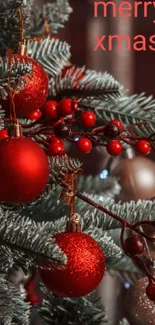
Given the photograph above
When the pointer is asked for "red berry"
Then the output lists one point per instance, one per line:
(35, 115)
(114, 147)
(111, 130)
(134, 245)
(88, 119)
(50, 109)
(84, 145)
(118, 123)
(65, 107)
(56, 149)
(3, 133)
(150, 291)
(53, 139)
(143, 147)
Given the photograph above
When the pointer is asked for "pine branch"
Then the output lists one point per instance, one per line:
(85, 84)
(34, 240)
(18, 68)
(9, 15)
(12, 305)
(6, 259)
(56, 14)
(82, 311)
(108, 187)
(132, 212)
(110, 249)
(129, 110)
(50, 53)
(60, 166)
(10, 26)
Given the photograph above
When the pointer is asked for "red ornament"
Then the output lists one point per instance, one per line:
(35, 115)
(88, 119)
(118, 123)
(134, 245)
(55, 149)
(84, 145)
(114, 147)
(3, 133)
(65, 107)
(35, 91)
(150, 291)
(24, 169)
(50, 109)
(143, 147)
(84, 270)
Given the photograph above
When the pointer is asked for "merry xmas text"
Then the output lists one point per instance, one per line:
(124, 9)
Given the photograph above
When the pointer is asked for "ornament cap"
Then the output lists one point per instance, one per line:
(73, 224)
(14, 128)
(23, 47)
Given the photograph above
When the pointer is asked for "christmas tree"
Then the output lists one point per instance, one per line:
(56, 222)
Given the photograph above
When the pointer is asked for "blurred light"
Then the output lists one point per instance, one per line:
(124, 259)
(104, 174)
(76, 139)
(127, 285)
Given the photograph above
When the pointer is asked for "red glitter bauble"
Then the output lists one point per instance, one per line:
(84, 270)
(24, 169)
(35, 91)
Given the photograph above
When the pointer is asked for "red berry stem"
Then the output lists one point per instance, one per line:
(112, 214)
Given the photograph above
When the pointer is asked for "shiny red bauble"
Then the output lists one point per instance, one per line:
(35, 115)
(150, 291)
(84, 270)
(35, 91)
(3, 133)
(84, 145)
(118, 123)
(50, 109)
(56, 148)
(65, 107)
(88, 119)
(114, 147)
(134, 245)
(24, 169)
(143, 147)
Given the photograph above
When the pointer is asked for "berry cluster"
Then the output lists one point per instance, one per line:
(61, 117)
(68, 113)
(114, 147)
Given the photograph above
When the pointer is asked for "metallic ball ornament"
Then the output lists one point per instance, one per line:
(136, 177)
(35, 91)
(84, 270)
(24, 169)
(138, 308)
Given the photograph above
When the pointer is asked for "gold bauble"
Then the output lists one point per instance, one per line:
(138, 308)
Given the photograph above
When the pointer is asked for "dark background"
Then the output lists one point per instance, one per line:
(135, 70)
